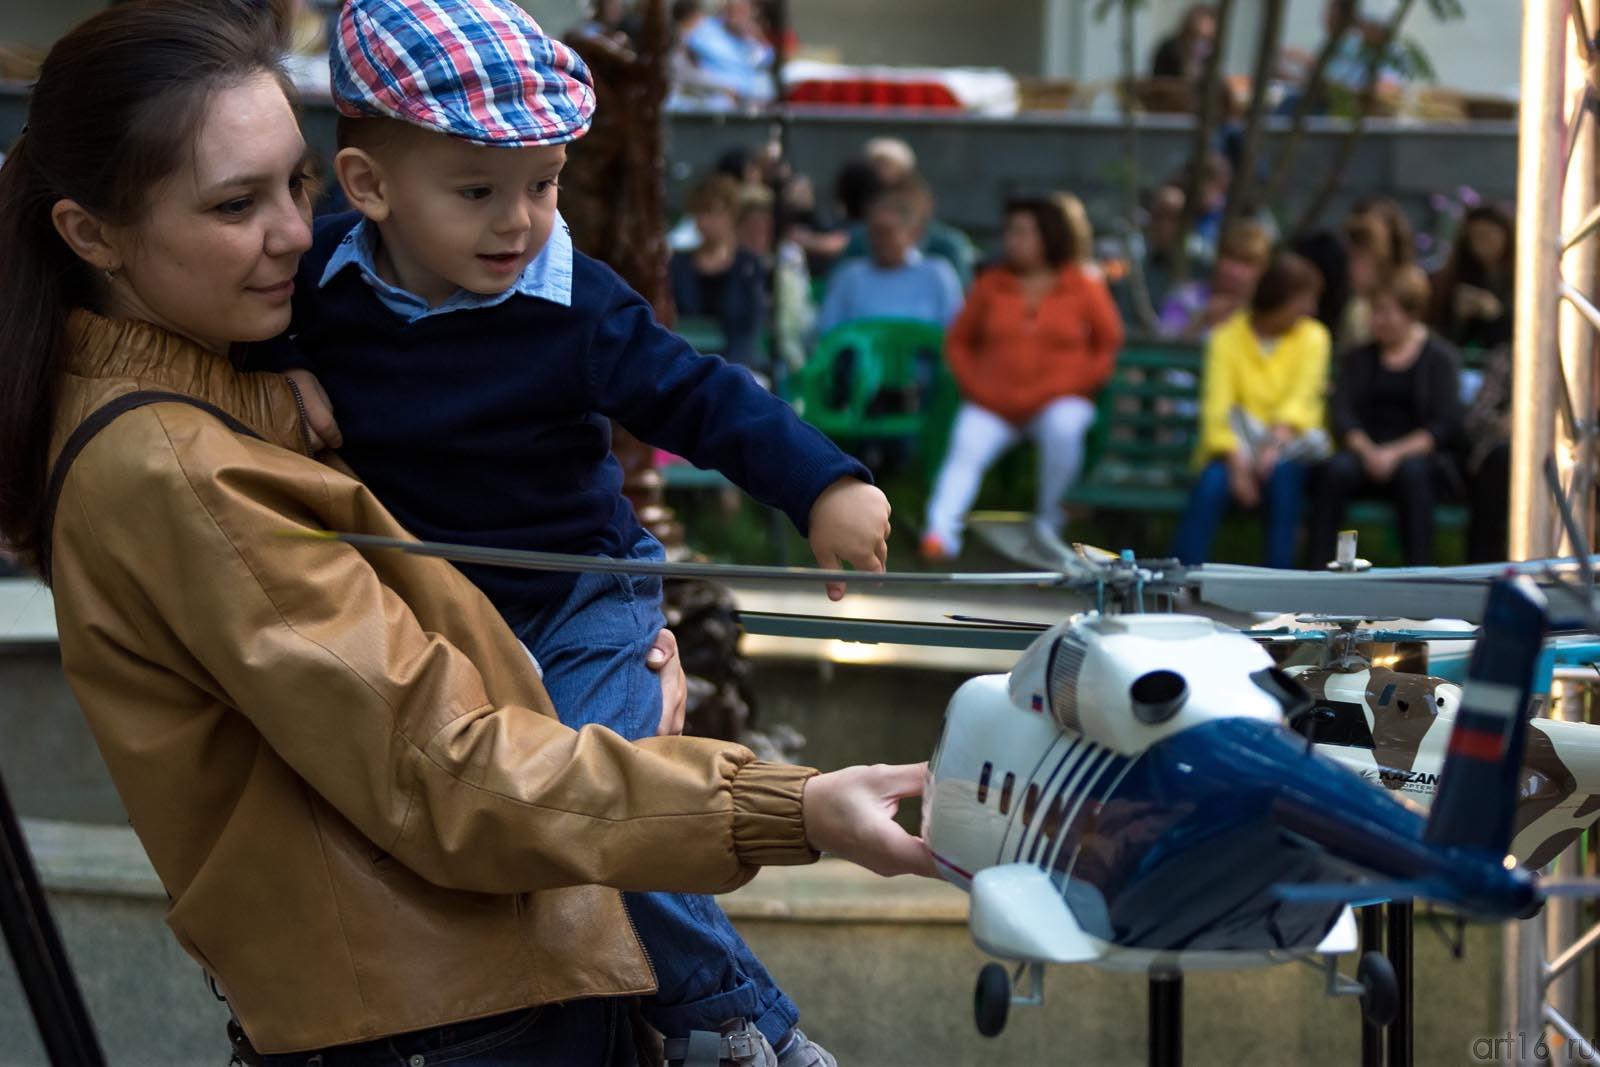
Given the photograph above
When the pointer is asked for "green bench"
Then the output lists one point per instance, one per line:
(1140, 451)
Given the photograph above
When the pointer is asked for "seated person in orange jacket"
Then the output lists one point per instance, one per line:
(1035, 341)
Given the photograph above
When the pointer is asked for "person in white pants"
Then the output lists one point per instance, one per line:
(979, 438)
(1036, 339)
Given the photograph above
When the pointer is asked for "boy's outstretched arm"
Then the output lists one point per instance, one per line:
(718, 416)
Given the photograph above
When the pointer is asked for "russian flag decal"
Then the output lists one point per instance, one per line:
(1038, 702)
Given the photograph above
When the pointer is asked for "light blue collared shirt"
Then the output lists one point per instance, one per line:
(547, 276)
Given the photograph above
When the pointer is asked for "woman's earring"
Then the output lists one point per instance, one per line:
(111, 274)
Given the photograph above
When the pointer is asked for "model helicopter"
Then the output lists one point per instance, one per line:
(1130, 795)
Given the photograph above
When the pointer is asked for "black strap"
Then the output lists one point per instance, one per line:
(98, 420)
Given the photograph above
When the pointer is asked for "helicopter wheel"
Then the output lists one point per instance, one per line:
(992, 1000)
(1380, 992)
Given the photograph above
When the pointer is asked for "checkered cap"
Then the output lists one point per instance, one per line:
(478, 70)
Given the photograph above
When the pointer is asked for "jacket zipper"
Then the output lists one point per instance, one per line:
(648, 962)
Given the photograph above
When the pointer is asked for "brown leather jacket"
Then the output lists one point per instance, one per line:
(344, 768)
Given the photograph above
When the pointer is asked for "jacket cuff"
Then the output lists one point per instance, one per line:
(768, 830)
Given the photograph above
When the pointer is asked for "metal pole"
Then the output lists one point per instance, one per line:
(42, 965)
(1551, 373)
(1166, 1020)
(1371, 941)
(1533, 517)
(1563, 919)
(1524, 989)
(1400, 955)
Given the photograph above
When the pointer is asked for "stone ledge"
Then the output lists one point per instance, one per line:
(833, 890)
(75, 857)
(87, 858)
(27, 614)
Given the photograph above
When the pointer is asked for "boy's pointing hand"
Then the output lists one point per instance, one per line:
(850, 524)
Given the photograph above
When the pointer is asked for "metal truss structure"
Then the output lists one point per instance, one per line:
(1554, 417)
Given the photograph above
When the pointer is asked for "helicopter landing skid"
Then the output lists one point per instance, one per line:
(1375, 983)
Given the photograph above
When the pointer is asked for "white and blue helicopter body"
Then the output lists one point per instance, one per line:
(1131, 796)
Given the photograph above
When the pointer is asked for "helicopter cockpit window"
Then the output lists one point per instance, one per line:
(1336, 722)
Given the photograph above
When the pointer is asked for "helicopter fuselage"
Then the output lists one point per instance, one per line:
(1170, 852)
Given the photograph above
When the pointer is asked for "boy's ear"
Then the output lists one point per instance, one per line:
(364, 182)
(86, 235)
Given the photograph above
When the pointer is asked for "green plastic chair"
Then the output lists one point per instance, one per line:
(884, 355)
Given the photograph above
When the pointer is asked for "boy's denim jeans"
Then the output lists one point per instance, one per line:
(592, 648)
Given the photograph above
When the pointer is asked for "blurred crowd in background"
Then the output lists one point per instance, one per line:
(1357, 359)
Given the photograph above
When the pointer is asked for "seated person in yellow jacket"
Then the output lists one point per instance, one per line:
(1261, 412)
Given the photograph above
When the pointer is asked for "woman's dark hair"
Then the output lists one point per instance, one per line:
(1327, 253)
(1060, 248)
(115, 108)
(1463, 266)
(1287, 276)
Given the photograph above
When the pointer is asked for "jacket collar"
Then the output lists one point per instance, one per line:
(101, 347)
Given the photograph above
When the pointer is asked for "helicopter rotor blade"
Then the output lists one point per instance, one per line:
(1018, 624)
(1398, 592)
(563, 562)
(889, 632)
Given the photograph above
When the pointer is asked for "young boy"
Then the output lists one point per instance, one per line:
(474, 360)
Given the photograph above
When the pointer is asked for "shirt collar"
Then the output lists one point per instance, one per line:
(548, 276)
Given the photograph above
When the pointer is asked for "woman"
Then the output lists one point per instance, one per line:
(1183, 54)
(1396, 412)
(783, 263)
(1487, 461)
(1035, 341)
(373, 829)
(1260, 412)
(1369, 258)
(1472, 294)
(1195, 308)
(721, 280)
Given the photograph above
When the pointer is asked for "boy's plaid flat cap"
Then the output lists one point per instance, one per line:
(478, 70)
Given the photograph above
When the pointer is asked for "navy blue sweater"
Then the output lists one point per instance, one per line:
(491, 426)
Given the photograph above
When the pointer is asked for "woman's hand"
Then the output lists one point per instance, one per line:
(663, 659)
(1242, 481)
(318, 410)
(1380, 462)
(850, 814)
(850, 524)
